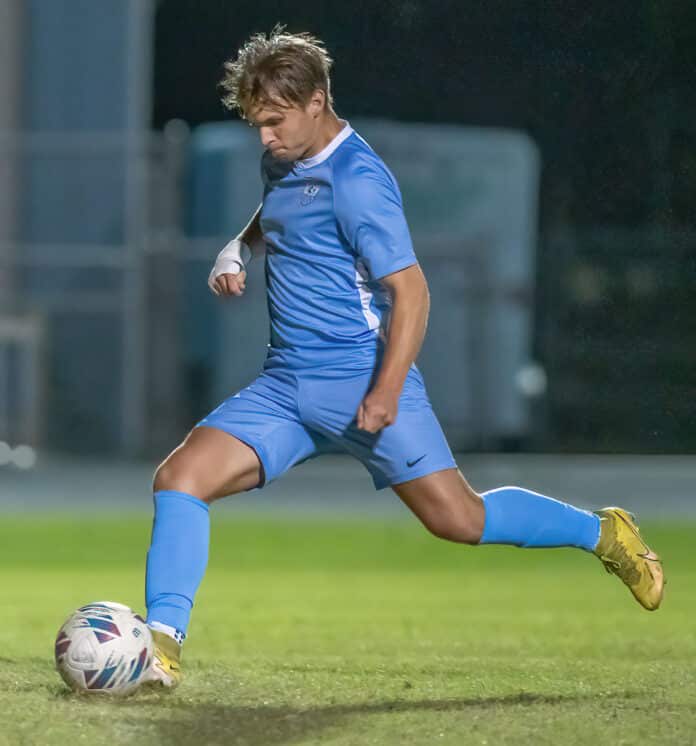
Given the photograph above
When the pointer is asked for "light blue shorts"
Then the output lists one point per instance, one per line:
(289, 416)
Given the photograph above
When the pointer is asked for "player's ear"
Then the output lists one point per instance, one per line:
(316, 103)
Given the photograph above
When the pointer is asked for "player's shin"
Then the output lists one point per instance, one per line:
(527, 519)
(176, 560)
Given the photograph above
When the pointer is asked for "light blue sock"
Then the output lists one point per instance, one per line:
(528, 519)
(177, 557)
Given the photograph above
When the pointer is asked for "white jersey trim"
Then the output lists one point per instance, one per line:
(361, 274)
(320, 157)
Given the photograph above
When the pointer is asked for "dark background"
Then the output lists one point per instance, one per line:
(607, 93)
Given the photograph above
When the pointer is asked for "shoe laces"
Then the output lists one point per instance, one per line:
(621, 564)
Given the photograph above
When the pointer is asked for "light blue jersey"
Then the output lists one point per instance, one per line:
(334, 225)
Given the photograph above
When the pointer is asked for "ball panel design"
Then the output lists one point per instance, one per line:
(103, 647)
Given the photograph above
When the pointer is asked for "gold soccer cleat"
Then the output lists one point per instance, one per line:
(166, 661)
(623, 552)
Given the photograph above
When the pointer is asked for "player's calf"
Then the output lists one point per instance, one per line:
(209, 464)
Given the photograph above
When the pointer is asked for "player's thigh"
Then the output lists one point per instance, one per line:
(209, 464)
(261, 421)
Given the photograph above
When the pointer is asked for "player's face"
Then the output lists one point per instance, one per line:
(286, 132)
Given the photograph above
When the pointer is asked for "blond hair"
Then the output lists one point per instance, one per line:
(279, 70)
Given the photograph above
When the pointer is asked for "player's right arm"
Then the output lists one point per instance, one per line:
(228, 276)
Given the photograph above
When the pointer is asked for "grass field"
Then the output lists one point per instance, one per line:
(357, 633)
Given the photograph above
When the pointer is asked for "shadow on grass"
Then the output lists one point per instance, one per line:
(173, 720)
(267, 725)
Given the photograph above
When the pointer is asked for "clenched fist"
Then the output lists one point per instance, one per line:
(229, 284)
(228, 275)
(377, 410)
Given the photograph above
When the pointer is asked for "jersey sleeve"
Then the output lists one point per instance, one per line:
(371, 216)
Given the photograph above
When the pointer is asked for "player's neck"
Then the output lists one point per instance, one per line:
(328, 130)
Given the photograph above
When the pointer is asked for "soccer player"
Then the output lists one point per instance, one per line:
(348, 307)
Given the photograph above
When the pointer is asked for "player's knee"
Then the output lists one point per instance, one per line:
(184, 473)
(171, 475)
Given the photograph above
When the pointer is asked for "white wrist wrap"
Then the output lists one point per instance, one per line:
(232, 259)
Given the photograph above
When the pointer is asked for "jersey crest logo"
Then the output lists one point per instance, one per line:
(310, 192)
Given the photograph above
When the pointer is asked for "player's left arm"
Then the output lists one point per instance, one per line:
(408, 321)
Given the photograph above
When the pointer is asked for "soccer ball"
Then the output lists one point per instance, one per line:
(104, 647)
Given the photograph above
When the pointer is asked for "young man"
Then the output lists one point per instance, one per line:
(348, 310)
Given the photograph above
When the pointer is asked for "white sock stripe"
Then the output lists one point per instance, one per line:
(174, 633)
